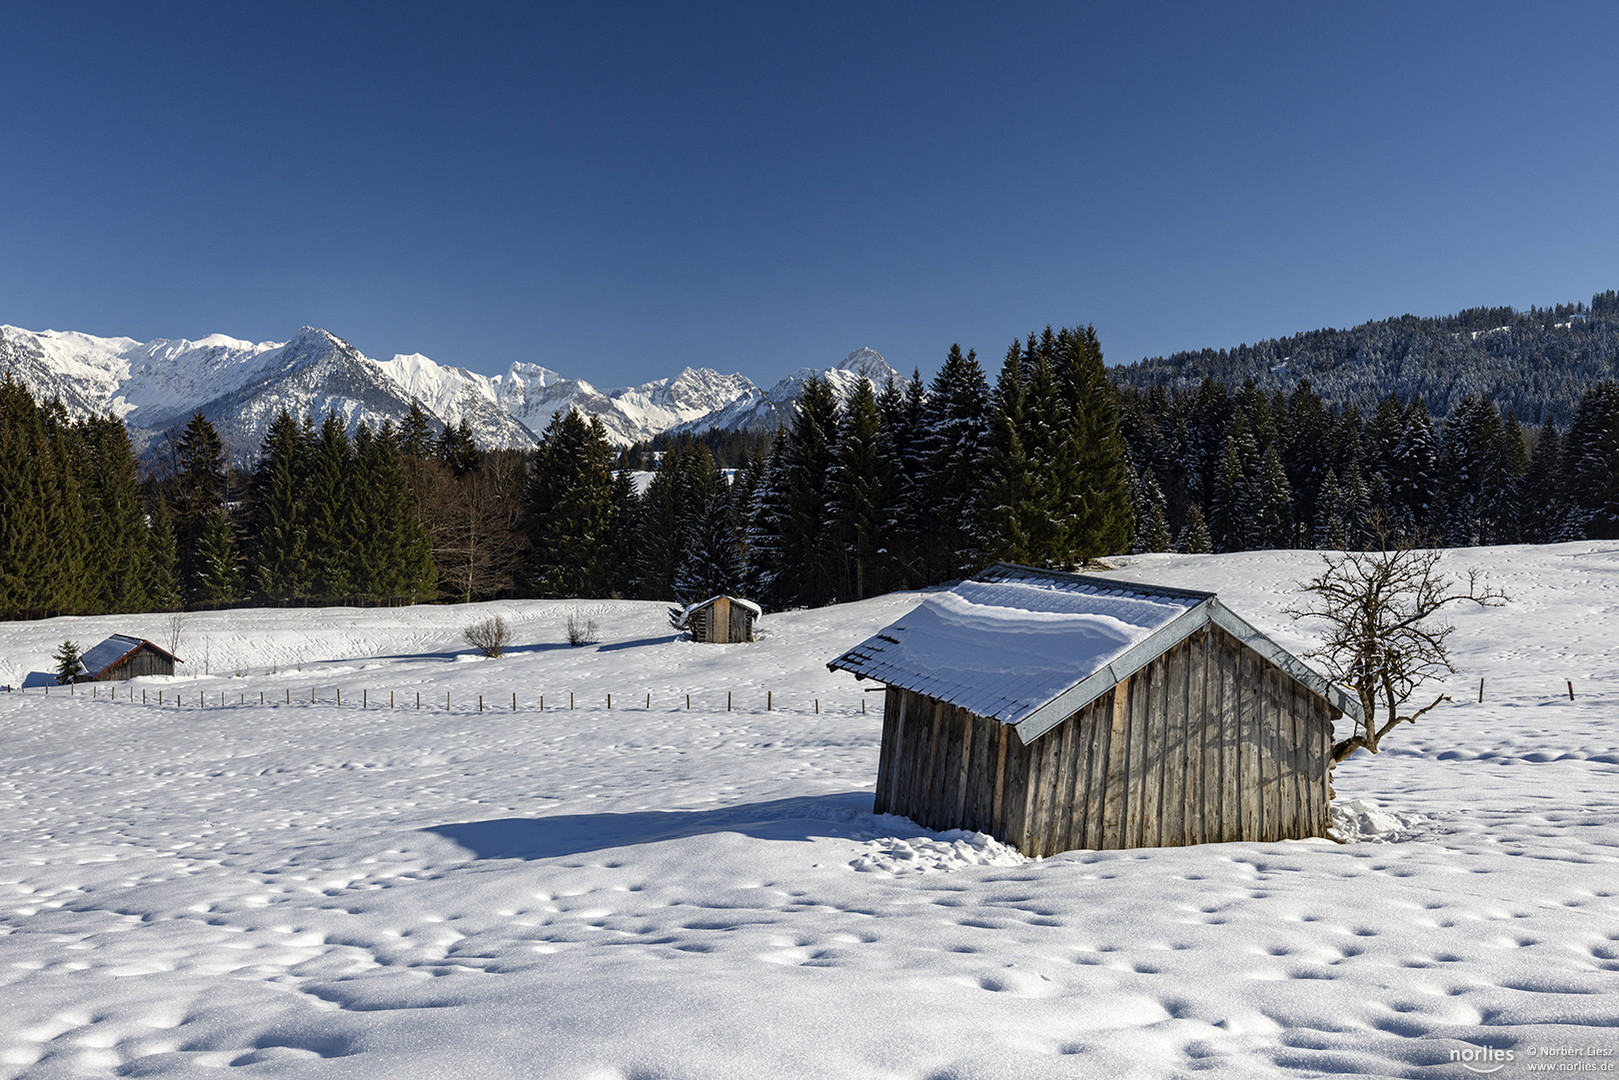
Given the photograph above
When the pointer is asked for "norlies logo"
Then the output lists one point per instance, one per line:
(1482, 1059)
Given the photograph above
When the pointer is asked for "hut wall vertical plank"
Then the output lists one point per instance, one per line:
(887, 749)
(1070, 760)
(1149, 686)
(965, 723)
(1209, 722)
(1251, 789)
(1097, 731)
(1287, 771)
(912, 748)
(980, 777)
(1196, 703)
(1119, 780)
(1004, 737)
(1018, 754)
(1300, 758)
(1135, 806)
(927, 750)
(1230, 742)
(1172, 820)
(1270, 752)
(1051, 770)
(1076, 829)
(943, 794)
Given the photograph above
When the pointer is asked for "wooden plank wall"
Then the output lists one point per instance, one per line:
(1208, 743)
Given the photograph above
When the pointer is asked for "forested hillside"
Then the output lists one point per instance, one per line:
(1535, 364)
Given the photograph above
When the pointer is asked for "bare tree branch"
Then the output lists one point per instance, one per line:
(1382, 638)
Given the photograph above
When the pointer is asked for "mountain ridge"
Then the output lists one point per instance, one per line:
(155, 386)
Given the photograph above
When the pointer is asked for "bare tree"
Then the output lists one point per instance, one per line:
(489, 637)
(1382, 638)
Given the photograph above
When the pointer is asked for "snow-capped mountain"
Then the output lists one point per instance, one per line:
(154, 387)
(765, 410)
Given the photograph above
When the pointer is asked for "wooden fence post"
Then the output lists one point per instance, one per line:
(340, 695)
(480, 703)
(1571, 689)
(688, 701)
(770, 700)
(1481, 691)
(727, 701)
(609, 702)
(514, 701)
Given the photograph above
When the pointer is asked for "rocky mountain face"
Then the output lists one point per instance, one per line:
(155, 386)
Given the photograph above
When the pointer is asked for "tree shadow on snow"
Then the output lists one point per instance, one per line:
(798, 818)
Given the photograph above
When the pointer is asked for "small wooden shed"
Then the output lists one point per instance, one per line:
(124, 657)
(1058, 711)
(720, 620)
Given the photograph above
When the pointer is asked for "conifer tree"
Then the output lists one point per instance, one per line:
(67, 660)
(218, 579)
(330, 529)
(955, 448)
(1011, 491)
(1194, 538)
(279, 521)
(1541, 510)
(25, 540)
(864, 474)
(199, 491)
(160, 570)
(713, 560)
(766, 581)
(805, 573)
(115, 522)
(569, 504)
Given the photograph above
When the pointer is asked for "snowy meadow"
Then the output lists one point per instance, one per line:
(307, 888)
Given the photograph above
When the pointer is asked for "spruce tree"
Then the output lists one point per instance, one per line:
(218, 578)
(766, 580)
(329, 533)
(569, 509)
(280, 534)
(199, 491)
(864, 476)
(956, 420)
(1194, 538)
(808, 555)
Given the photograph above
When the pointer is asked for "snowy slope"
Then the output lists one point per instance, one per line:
(314, 889)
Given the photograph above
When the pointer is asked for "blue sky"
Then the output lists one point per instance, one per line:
(616, 191)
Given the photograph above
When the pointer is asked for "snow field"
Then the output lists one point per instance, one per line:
(321, 890)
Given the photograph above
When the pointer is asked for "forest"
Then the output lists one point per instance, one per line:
(1536, 364)
(1050, 463)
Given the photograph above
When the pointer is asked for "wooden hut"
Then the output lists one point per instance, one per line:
(124, 657)
(1058, 711)
(720, 620)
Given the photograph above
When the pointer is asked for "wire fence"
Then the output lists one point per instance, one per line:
(750, 701)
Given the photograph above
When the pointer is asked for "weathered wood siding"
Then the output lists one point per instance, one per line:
(1208, 743)
(722, 623)
(141, 662)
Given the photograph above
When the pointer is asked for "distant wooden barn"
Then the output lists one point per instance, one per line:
(1060, 711)
(123, 657)
(720, 620)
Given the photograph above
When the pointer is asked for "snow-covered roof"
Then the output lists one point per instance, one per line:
(114, 650)
(1031, 647)
(686, 612)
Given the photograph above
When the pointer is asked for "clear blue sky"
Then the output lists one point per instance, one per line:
(619, 190)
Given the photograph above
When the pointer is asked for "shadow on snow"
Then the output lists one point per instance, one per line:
(798, 818)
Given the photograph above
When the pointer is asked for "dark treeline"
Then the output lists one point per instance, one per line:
(1216, 470)
(1536, 364)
